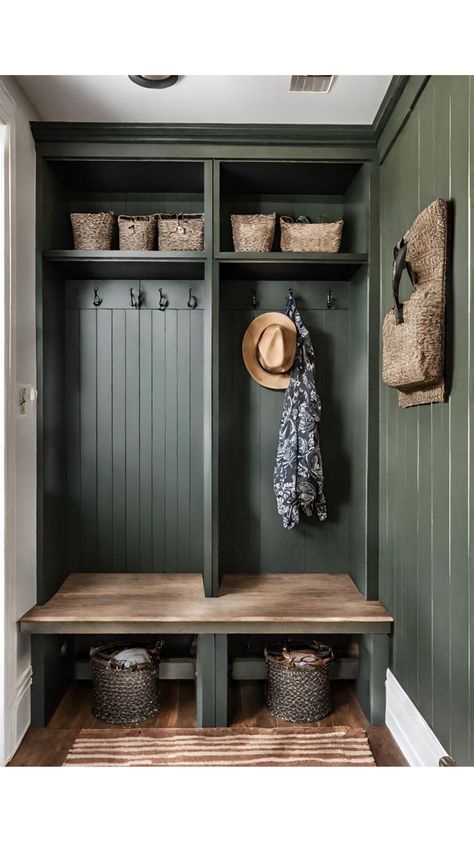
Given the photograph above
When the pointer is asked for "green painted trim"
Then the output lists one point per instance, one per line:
(388, 104)
(400, 114)
(212, 133)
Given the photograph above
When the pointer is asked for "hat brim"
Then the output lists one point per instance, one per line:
(249, 350)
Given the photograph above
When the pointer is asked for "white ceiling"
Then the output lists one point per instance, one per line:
(204, 99)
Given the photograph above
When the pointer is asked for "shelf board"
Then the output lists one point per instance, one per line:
(115, 603)
(340, 258)
(123, 265)
(277, 265)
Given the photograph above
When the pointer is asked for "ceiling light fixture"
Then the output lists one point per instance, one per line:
(154, 81)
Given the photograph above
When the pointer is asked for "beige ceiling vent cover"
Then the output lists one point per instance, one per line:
(311, 84)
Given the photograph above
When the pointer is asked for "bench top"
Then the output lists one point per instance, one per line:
(149, 603)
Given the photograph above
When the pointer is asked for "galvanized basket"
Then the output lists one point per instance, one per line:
(93, 231)
(298, 688)
(137, 233)
(181, 232)
(253, 231)
(124, 695)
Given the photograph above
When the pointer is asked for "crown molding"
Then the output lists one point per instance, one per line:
(208, 133)
(401, 88)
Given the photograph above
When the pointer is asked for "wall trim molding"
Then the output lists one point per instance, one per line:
(411, 732)
(400, 113)
(8, 667)
(19, 728)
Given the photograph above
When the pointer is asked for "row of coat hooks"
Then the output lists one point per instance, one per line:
(136, 299)
(330, 300)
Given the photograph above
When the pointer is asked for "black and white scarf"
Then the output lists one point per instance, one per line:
(298, 474)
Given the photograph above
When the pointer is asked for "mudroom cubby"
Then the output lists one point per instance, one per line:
(322, 191)
(156, 511)
(252, 537)
(130, 187)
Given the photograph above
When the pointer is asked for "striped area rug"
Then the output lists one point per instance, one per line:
(323, 746)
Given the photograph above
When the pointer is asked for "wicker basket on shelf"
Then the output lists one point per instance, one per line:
(137, 233)
(181, 232)
(253, 231)
(124, 695)
(310, 236)
(298, 687)
(93, 231)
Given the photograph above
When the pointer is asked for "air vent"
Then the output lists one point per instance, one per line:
(311, 84)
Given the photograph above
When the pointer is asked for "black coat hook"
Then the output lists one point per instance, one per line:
(163, 302)
(192, 300)
(254, 298)
(330, 301)
(135, 300)
(97, 301)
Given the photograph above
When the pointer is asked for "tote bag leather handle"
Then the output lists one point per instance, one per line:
(399, 265)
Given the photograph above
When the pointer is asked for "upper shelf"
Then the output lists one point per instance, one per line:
(339, 258)
(121, 265)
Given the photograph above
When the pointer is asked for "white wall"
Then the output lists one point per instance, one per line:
(22, 546)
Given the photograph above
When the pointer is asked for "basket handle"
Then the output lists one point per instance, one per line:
(400, 263)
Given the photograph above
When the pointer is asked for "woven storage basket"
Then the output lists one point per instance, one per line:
(298, 688)
(137, 233)
(93, 231)
(310, 236)
(124, 695)
(181, 232)
(253, 231)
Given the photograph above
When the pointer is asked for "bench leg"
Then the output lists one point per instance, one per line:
(212, 681)
(222, 681)
(370, 686)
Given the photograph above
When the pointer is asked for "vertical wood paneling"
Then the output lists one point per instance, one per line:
(183, 410)
(196, 444)
(426, 453)
(441, 459)
(459, 653)
(426, 186)
(145, 377)
(119, 471)
(470, 359)
(135, 411)
(88, 427)
(132, 439)
(104, 441)
(73, 439)
(252, 536)
(171, 438)
(159, 441)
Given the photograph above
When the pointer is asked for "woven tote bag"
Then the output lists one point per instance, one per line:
(413, 331)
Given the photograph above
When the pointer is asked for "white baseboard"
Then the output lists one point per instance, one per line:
(21, 713)
(410, 731)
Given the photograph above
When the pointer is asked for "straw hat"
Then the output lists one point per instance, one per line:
(269, 348)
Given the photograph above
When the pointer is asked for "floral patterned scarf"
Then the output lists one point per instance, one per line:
(298, 474)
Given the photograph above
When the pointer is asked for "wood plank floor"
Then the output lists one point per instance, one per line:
(49, 746)
(91, 603)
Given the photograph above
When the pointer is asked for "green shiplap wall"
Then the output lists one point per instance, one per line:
(134, 422)
(252, 536)
(426, 509)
